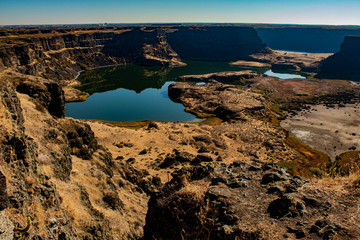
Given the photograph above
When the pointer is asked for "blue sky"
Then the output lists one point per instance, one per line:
(330, 12)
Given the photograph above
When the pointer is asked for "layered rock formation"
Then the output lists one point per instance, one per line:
(344, 64)
(310, 39)
(215, 43)
(30, 188)
(61, 53)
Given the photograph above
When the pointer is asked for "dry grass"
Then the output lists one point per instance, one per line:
(40, 108)
(311, 163)
(356, 181)
(71, 201)
(86, 175)
(250, 64)
(212, 121)
(349, 162)
(346, 189)
(199, 114)
(131, 124)
(74, 95)
(195, 190)
(342, 184)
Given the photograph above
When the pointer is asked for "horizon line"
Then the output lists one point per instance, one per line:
(175, 23)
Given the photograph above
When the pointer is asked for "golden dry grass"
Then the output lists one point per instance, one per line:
(349, 161)
(131, 124)
(87, 176)
(311, 163)
(212, 121)
(74, 95)
(199, 114)
(195, 190)
(250, 64)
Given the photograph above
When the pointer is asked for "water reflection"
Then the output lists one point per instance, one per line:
(131, 77)
(139, 78)
(132, 92)
(127, 105)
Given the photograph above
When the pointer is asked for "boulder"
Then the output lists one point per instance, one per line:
(281, 207)
(272, 177)
(201, 158)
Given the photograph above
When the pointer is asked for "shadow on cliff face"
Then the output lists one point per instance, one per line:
(215, 43)
(311, 39)
(344, 64)
(60, 56)
(130, 77)
(148, 47)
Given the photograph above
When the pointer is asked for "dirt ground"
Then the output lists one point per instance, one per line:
(330, 130)
(297, 59)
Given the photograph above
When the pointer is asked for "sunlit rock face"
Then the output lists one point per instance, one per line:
(61, 53)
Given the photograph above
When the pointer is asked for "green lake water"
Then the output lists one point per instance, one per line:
(132, 92)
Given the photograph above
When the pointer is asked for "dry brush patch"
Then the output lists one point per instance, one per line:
(311, 161)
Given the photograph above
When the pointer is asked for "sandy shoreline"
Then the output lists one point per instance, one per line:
(330, 130)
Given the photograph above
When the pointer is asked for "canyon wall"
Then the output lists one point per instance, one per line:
(56, 180)
(61, 53)
(60, 56)
(215, 43)
(313, 39)
(344, 64)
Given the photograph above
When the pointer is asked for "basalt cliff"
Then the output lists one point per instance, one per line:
(344, 64)
(61, 53)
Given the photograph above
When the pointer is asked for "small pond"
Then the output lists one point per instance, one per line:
(283, 75)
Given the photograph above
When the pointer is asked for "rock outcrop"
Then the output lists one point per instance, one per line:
(344, 64)
(49, 94)
(4, 200)
(61, 53)
(227, 102)
(242, 77)
(30, 190)
(290, 61)
(58, 55)
(215, 43)
(60, 182)
(309, 39)
(220, 201)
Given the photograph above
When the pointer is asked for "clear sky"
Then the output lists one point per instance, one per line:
(330, 12)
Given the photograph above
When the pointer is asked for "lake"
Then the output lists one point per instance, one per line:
(132, 92)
